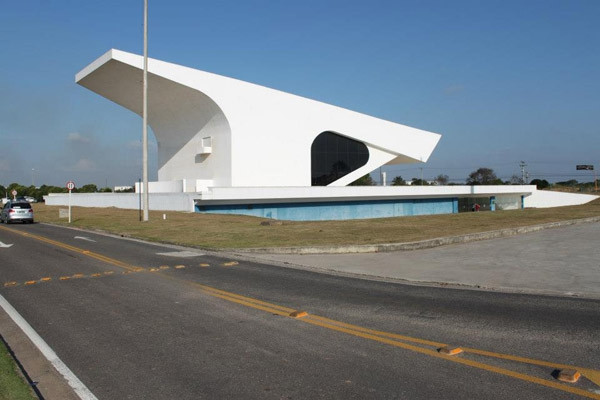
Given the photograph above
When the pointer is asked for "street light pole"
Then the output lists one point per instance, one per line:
(145, 115)
(524, 175)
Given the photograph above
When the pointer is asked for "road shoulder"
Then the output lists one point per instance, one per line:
(49, 383)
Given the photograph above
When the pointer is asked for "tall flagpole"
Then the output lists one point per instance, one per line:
(145, 116)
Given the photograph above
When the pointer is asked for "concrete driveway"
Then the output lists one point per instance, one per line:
(562, 261)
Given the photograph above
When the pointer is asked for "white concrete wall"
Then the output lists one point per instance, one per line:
(508, 196)
(547, 198)
(315, 193)
(131, 201)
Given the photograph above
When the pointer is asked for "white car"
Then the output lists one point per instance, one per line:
(16, 210)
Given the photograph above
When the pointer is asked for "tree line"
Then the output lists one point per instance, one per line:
(38, 193)
(481, 176)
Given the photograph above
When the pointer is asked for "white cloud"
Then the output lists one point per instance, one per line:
(84, 165)
(77, 137)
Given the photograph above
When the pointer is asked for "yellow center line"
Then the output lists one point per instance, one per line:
(471, 363)
(365, 333)
(248, 304)
(378, 333)
(74, 249)
(388, 338)
(248, 300)
(591, 374)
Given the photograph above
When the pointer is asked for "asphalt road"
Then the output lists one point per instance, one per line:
(135, 324)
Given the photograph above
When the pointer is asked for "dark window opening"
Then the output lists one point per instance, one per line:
(334, 156)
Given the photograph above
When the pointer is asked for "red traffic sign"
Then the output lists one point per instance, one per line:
(14, 192)
(70, 185)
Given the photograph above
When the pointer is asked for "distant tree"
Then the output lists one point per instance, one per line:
(105, 190)
(398, 181)
(570, 182)
(516, 180)
(21, 190)
(2, 191)
(483, 176)
(89, 188)
(418, 182)
(363, 181)
(442, 179)
(540, 183)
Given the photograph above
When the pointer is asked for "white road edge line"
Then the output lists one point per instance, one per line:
(80, 389)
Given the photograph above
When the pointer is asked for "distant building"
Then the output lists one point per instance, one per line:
(123, 189)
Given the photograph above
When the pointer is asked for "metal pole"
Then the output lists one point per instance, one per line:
(140, 198)
(523, 174)
(69, 205)
(145, 115)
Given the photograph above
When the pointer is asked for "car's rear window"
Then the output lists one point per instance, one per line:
(21, 205)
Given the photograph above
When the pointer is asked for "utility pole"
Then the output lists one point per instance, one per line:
(145, 115)
(524, 175)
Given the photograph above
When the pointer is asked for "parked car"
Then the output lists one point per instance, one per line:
(16, 210)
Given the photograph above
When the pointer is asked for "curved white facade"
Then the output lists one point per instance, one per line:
(216, 131)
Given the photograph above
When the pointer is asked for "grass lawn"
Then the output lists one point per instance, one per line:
(213, 231)
(12, 384)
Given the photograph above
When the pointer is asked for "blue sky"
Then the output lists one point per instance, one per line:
(502, 81)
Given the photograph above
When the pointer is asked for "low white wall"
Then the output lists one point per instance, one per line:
(131, 201)
(507, 197)
(333, 193)
(548, 198)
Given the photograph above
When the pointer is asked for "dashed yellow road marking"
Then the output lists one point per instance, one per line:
(72, 248)
(298, 314)
(204, 265)
(230, 263)
(94, 275)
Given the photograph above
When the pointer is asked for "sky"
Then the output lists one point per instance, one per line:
(501, 81)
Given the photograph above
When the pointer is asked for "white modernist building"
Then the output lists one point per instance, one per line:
(214, 131)
(229, 146)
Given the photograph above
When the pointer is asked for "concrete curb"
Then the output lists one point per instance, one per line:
(49, 383)
(422, 244)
